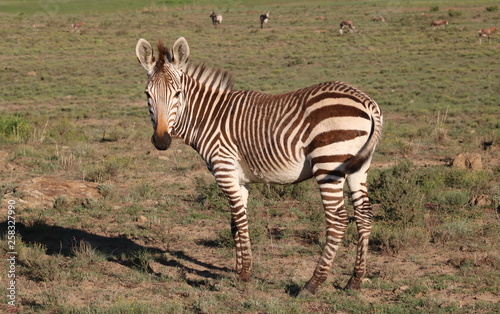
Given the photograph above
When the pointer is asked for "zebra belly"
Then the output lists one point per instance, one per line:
(294, 172)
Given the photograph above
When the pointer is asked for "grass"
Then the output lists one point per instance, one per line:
(158, 240)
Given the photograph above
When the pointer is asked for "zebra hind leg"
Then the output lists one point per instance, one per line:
(363, 216)
(331, 189)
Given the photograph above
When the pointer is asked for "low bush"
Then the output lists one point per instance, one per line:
(398, 192)
(14, 128)
(210, 196)
(454, 13)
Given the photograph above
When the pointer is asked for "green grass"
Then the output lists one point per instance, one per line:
(74, 107)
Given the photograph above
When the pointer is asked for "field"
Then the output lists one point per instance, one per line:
(107, 224)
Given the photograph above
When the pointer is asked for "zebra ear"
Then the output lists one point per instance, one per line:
(180, 52)
(144, 53)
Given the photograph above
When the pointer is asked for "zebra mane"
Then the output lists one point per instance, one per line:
(213, 77)
(163, 55)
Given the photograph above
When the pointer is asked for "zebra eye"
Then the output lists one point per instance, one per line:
(177, 94)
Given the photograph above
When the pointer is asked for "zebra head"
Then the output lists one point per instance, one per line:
(163, 89)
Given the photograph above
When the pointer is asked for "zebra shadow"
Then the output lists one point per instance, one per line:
(61, 241)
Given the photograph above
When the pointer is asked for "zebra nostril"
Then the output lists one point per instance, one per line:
(161, 142)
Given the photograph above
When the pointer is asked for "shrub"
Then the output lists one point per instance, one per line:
(493, 8)
(391, 238)
(456, 198)
(434, 9)
(14, 128)
(453, 13)
(397, 191)
(108, 169)
(298, 192)
(138, 259)
(464, 179)
(85, 254)
(65, 131)
(224, 238)
(144, 191)
(210, 196)
(34, 262)
(456, 229)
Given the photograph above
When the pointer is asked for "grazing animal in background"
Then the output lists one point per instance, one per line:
(346, 24)
(76, 26)
(438, 23)
(486, 32)
(379, 19)
(264, 18)
(328, 131)
(216, 18)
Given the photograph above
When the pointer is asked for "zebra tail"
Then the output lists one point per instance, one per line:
(355, 163)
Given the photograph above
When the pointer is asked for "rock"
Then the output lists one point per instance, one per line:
(401, 289)
(44, 191)
(142, 219)
(4, 162)
(481, 200)
(468, 161)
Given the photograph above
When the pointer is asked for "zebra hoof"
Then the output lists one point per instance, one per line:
(245, 277)
(353, 284)
(305, 294)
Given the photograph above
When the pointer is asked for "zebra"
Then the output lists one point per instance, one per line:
(216, 18)
(264, 18)
(328, 131)
(346, 24)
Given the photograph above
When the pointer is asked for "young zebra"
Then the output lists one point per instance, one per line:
(346, 24)
(327, 131)
(264, 18)
(216, 18)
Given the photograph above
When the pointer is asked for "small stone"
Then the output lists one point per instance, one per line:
(468, 161)
(401, 289)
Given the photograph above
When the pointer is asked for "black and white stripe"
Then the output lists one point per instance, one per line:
(328, 131)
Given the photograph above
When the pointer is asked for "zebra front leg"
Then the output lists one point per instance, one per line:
(363, 215)
(237, 196)
(336, 222)
(239, 229)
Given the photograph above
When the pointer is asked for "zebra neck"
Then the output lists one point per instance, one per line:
(198, 119)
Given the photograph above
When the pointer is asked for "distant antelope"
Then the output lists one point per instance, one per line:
(486, 32)
(439, 23)
(216, 18)
(379, 19)
(346, 24)
(76, 26)
(264, 18)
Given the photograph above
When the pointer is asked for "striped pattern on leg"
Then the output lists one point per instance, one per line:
(363, 216)
(336, 223)
(226, 178)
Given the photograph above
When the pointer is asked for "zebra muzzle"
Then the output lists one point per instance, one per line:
(161, 142)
